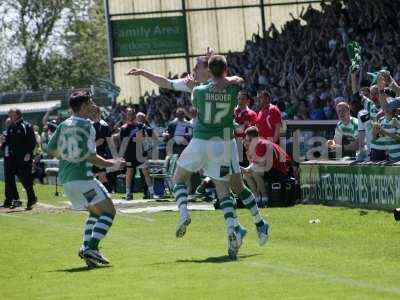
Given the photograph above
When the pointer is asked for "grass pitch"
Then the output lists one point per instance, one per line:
(350, 254)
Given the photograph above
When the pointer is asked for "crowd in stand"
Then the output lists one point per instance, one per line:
(306, 67)
(302, 72)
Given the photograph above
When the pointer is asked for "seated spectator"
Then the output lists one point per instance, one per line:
(268, 162)
(386, 134)
(345, 141)
(178, 130)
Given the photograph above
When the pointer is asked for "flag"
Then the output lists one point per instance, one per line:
(108, 87)
(354, 52)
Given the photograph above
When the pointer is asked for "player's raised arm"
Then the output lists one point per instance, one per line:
(158, 79)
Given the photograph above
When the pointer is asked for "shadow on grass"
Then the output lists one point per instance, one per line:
(17, 210)
(214, 260)
(81, 269)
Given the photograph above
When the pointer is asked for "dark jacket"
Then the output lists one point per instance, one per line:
(20, 139)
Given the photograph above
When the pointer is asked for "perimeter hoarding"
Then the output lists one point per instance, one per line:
(370, 186)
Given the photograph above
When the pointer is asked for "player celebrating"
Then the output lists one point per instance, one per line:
(201, 74)
(213, 149)
(74, 144)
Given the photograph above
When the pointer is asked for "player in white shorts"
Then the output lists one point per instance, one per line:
(74, 144)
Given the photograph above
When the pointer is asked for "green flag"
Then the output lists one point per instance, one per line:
(354, 53)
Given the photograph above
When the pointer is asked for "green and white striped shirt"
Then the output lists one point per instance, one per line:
(373, 111)
(384, 142)
(371, 108)
(349, 130)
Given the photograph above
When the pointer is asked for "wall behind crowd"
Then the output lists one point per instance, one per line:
(224, 30)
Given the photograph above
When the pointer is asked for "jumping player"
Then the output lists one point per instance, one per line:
(201, 74)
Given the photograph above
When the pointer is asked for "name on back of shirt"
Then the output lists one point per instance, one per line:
(218, 97)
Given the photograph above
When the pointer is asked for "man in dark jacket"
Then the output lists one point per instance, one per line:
(20, 141)
(10, 189)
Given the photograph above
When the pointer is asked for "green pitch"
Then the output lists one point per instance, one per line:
(350, 254)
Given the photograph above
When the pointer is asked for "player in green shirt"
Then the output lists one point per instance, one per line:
(213, 149)
(74, 144)
(201, 73)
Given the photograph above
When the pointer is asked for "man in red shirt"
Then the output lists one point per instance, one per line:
(244, 118)
(268, 161)
(269, 119)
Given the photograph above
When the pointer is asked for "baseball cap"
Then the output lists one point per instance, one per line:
(392, 104)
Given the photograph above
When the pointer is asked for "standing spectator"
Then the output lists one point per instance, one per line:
(38, 165)
(386, 134)
(21, 142)
(244, 118)
(159, 134)
(130, 130)
(147, 134)
(317, 112)
(103, 132)
(269, 119)
(11, 192)
(346, 133)
(302, 111)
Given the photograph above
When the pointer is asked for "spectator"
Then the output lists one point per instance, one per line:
(103, 132)
(178, 131)
(130, 132)
(147, 143)
(345, 141)
(302, 111)
(244, 118)
(38, 165)
(269, 119)
(386, 134)
(317, 112)
(159, 133)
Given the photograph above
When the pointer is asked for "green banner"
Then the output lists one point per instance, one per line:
(374, 186)
(151, 36)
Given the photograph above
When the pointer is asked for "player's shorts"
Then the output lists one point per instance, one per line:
(83, 193)
(219, 159)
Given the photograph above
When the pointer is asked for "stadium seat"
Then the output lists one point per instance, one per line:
(163, 169)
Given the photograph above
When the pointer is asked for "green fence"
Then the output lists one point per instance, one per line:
(347, 183)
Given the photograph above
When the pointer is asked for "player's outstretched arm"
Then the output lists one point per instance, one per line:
(160, 80)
